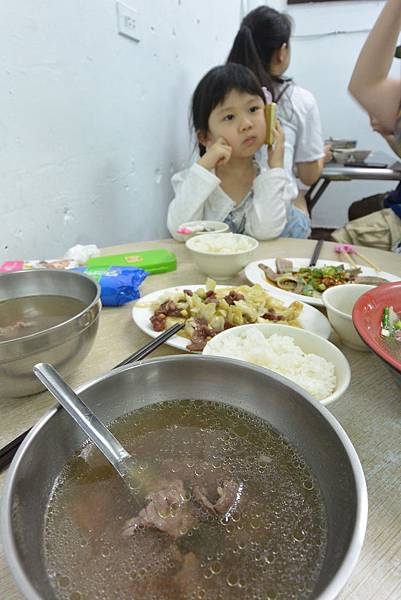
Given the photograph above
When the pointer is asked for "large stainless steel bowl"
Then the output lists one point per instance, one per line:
(64, 345)
(309, 426)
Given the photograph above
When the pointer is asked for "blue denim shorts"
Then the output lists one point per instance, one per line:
(298, 224)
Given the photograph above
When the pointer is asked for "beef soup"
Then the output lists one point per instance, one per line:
(229, 509)
(20, 317)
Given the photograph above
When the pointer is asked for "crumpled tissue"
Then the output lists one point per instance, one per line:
(82, 253)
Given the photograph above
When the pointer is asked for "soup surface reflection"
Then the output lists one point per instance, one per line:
(20, 317)
(229, 510)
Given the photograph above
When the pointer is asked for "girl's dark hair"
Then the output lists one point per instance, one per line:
(262, 31)
(213, 89)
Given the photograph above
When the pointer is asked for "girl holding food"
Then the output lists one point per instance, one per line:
(227, 183)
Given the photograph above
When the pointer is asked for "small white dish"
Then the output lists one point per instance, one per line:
(309, 343)
(339, 302)
(215, 255)
(341, 143)
(200, 228)
(342, 155)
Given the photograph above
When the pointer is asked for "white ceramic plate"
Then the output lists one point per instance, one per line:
(254, 274)
(311, 319)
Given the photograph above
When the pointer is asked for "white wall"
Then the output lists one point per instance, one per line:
(92, 124)
(327, 41)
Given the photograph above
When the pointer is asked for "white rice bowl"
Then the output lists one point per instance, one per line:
(312, 362)
(221, 255)
(222, 243)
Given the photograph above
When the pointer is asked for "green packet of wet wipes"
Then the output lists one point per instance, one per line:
(152, 261)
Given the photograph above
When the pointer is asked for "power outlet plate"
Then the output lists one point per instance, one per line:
(128, 22)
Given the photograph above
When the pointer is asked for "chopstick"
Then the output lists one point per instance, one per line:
(8, 451)
(148, 348)
(369, 262)
(316, 253)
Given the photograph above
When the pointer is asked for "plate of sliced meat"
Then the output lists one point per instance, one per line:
(209, 309)
(294, 278)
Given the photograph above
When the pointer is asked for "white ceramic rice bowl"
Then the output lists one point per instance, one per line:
(221, 265)
(309, 342)
(339, 301)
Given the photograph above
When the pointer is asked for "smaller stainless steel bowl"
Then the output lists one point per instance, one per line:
(65, 345)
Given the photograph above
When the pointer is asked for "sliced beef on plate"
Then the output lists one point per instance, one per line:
(370, 280)
(270, 274)
(283, 265)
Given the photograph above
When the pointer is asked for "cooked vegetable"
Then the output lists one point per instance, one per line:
(391, 323)
(209, 310)
(386, 321)
(311, 281)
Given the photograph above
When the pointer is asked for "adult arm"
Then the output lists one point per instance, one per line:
(309, 154)
(192, 188)
(309, 172)
(267, 215)
(378, 94)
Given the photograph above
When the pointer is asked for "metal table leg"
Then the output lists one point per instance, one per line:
(314, 193)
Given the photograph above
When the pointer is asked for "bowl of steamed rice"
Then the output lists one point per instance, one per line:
(221, 255)
(309, 360)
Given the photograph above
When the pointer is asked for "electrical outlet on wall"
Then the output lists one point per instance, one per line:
(128, 21)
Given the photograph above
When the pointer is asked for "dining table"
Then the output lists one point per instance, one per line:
(369, 411)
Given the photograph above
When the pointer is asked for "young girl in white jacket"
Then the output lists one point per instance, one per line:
(226, 183)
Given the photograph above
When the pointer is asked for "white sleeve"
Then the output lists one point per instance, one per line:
(267, 215)
(192, 188)
(309, 144)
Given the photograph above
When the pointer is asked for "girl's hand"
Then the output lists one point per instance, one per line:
(328, 154)
(275, 152)
(218, 153)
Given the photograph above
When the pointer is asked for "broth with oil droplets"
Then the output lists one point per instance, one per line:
(20, 317)
(269, 545)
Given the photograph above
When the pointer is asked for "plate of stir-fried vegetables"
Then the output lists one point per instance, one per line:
(209, 309)
(294, 277)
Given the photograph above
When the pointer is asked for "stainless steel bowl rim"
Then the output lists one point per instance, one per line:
(350, 559)
(55, 327)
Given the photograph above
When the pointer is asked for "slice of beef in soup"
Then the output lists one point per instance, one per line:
(189, 576)
(284, 266)
(16, 329)
(168, 511)
(229, 495)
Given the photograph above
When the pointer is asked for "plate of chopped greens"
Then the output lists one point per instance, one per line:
(292, 277)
